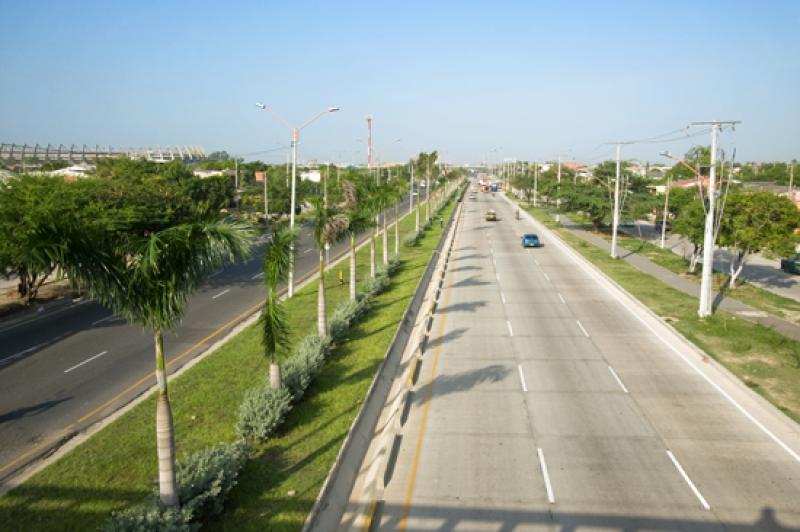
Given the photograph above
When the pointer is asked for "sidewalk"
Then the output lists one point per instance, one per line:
(760, 271)
(687, 286)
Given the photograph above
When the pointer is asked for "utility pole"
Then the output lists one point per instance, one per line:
(706, 287)
(535, 183)
(791, 180)
(558, 192)
(615, 219)
(666, 213)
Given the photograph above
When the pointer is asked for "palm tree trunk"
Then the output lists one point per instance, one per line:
(372, 252)
(385, 241)
(416, 218)
(352, 266)
(322, 321)
(165, 431)
(397, 228)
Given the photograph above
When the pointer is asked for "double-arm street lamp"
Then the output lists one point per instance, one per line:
(295, 135)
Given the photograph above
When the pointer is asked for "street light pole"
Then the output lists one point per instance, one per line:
(535, 183)
(295, 136)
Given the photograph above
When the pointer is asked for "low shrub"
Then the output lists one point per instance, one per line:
(298, 370)
(376, 285)
(262, 411)
(346, 314)
(204, 480)
(412, 240)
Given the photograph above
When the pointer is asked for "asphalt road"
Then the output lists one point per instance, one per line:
(72, 365)
(546, 401)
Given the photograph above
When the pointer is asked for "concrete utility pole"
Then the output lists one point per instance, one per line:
(666, 213)
(558, 191)
(615, 219)
(706, 288)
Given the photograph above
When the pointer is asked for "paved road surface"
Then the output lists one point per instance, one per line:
(70, 366)
(544, 403)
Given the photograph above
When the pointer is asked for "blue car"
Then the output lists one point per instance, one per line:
(531, 241)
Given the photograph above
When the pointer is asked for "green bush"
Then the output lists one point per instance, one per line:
(298, 370)
(412, 240)
(376, 285)
(204, 480)
(262, 411)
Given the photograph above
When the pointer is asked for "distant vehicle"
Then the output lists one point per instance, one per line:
(660, 224)
(472, 196)
(791, 264)
(494, 187)
(491, 216)
(531, 241)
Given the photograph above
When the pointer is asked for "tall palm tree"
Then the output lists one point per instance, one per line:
(147, 279)
(358, 219)
(329, 226)
(398, 187)
(274, 327)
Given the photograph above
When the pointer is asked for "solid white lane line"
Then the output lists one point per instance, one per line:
(562, 298)
(535, 261)
(101, 320)
(522, 379)
(497, 275)
(76, 366)
(258, 276)
(309, 250)
(586, 334)
(619, 381)
(546, 277)
(503, 297)
(221, 293)
(510, 330)
(688, 480)
(15, 356)
(546, 476)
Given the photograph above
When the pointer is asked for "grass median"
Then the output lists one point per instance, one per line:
(765, 360)
(116, 467)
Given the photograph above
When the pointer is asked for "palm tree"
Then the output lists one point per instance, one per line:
(329, 227)
(398, 188)
(358, 219)
(147, 279)
(274, 327)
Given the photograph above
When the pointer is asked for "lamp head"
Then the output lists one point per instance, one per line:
(332, 109)
(666, 153)
(261, 105)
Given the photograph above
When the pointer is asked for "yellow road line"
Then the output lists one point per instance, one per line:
(418, 450)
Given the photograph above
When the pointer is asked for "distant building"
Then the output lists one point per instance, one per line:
(208, 173)
(312, 175)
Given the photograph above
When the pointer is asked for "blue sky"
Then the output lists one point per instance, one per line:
(527, 79)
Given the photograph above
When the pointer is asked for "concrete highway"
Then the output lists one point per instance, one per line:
(547, 400)
(71, 365)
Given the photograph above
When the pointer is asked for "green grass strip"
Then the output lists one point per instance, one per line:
(117, 468)
(762, 358)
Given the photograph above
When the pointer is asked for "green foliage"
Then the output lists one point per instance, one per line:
(773, 172)
(347, 313)
(298, 370)
(204, 480)
(262, 411)
(753, 222)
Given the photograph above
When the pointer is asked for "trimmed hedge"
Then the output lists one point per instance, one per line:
(262, 411)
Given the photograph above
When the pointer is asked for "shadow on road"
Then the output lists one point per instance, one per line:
(29, 411)
(451, 517)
